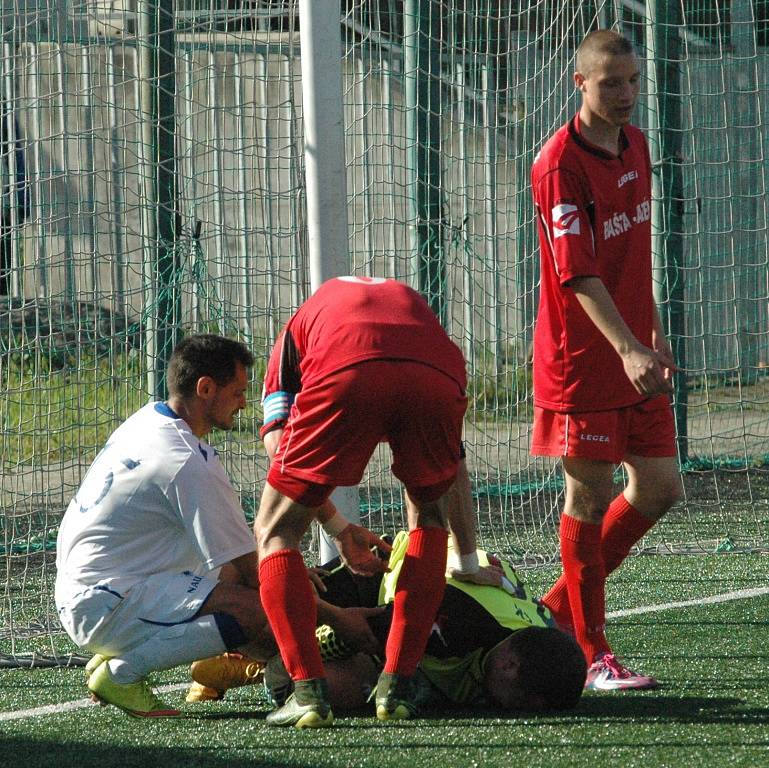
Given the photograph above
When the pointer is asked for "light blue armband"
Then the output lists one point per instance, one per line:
(276, 406)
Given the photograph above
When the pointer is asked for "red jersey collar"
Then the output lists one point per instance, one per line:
(574, 131)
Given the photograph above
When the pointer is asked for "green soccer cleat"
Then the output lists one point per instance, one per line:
(306, 707)
(395, 698)
(95, 661)
(137, 699)
(278, 684)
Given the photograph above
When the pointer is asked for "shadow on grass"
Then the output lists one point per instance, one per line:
(21, 752)
(629, 707)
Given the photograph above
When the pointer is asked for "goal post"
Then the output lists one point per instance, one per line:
(325, 174)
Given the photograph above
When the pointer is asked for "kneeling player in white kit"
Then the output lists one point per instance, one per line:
(156, 565)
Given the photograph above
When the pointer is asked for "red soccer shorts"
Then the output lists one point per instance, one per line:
(647, 429)
(335, 425)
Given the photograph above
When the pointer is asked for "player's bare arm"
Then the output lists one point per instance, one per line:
(462, 526)
(643, 366)
(272, 441)
(247, 568)
(351, 624)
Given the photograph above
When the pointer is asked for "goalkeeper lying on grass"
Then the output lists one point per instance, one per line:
(488, 646)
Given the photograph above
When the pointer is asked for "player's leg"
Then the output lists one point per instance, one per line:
(648, 432)
(589, 485)
(289, 603)
(418, 595)
(157, 625)
(426, 454)
(654, 485)
(333, 429)
(243, 665)
(622, 527)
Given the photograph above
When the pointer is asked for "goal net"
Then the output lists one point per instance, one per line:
(153, 184)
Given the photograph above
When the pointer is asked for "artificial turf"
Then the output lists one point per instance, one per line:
(713, 708)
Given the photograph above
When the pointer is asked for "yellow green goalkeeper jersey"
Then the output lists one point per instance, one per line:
(471, 620)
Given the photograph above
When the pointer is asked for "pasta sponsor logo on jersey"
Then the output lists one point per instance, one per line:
(565, 220)
(620, 223)
(590, 438)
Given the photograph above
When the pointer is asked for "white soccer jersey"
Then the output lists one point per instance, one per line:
(156, 499)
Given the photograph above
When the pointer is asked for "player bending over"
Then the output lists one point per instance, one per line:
(362, 361)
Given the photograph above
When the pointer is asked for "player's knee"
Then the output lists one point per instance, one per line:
(664, 494)
(240, 605)
(240, 625)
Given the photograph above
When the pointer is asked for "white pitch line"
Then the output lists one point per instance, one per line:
(68, 706)
(740, 594)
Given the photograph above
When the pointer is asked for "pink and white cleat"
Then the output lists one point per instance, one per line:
(607, 674)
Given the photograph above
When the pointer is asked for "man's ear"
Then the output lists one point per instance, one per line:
(579, 80)
(205, 388)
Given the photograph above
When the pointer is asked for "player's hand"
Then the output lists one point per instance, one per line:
(665, 357)
(648, 371)
(486, 575)
(355, 544)
(316, 577)
(351, 624)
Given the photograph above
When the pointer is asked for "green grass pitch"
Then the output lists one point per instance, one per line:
(713, 708)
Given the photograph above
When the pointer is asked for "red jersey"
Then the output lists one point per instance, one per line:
(350, 320)
(594, 212)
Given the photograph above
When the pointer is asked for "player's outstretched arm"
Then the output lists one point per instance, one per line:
(465, 566)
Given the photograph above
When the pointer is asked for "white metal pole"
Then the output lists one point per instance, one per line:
(324, 156)
(325, 172)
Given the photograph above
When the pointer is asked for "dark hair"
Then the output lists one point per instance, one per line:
(601, 42)
(205, 354)
(552, 665)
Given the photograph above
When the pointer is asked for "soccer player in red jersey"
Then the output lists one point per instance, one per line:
(362, 361)
(602, 364)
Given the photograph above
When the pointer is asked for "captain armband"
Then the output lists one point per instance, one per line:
(276, 407)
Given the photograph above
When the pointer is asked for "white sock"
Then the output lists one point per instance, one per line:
(169, 647)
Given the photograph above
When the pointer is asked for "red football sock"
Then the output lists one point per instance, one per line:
(289, 602)
(557, 600)
(585, 580)
(623, 526)
(418, 595)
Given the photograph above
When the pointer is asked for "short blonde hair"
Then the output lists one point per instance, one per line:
(601, 42)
